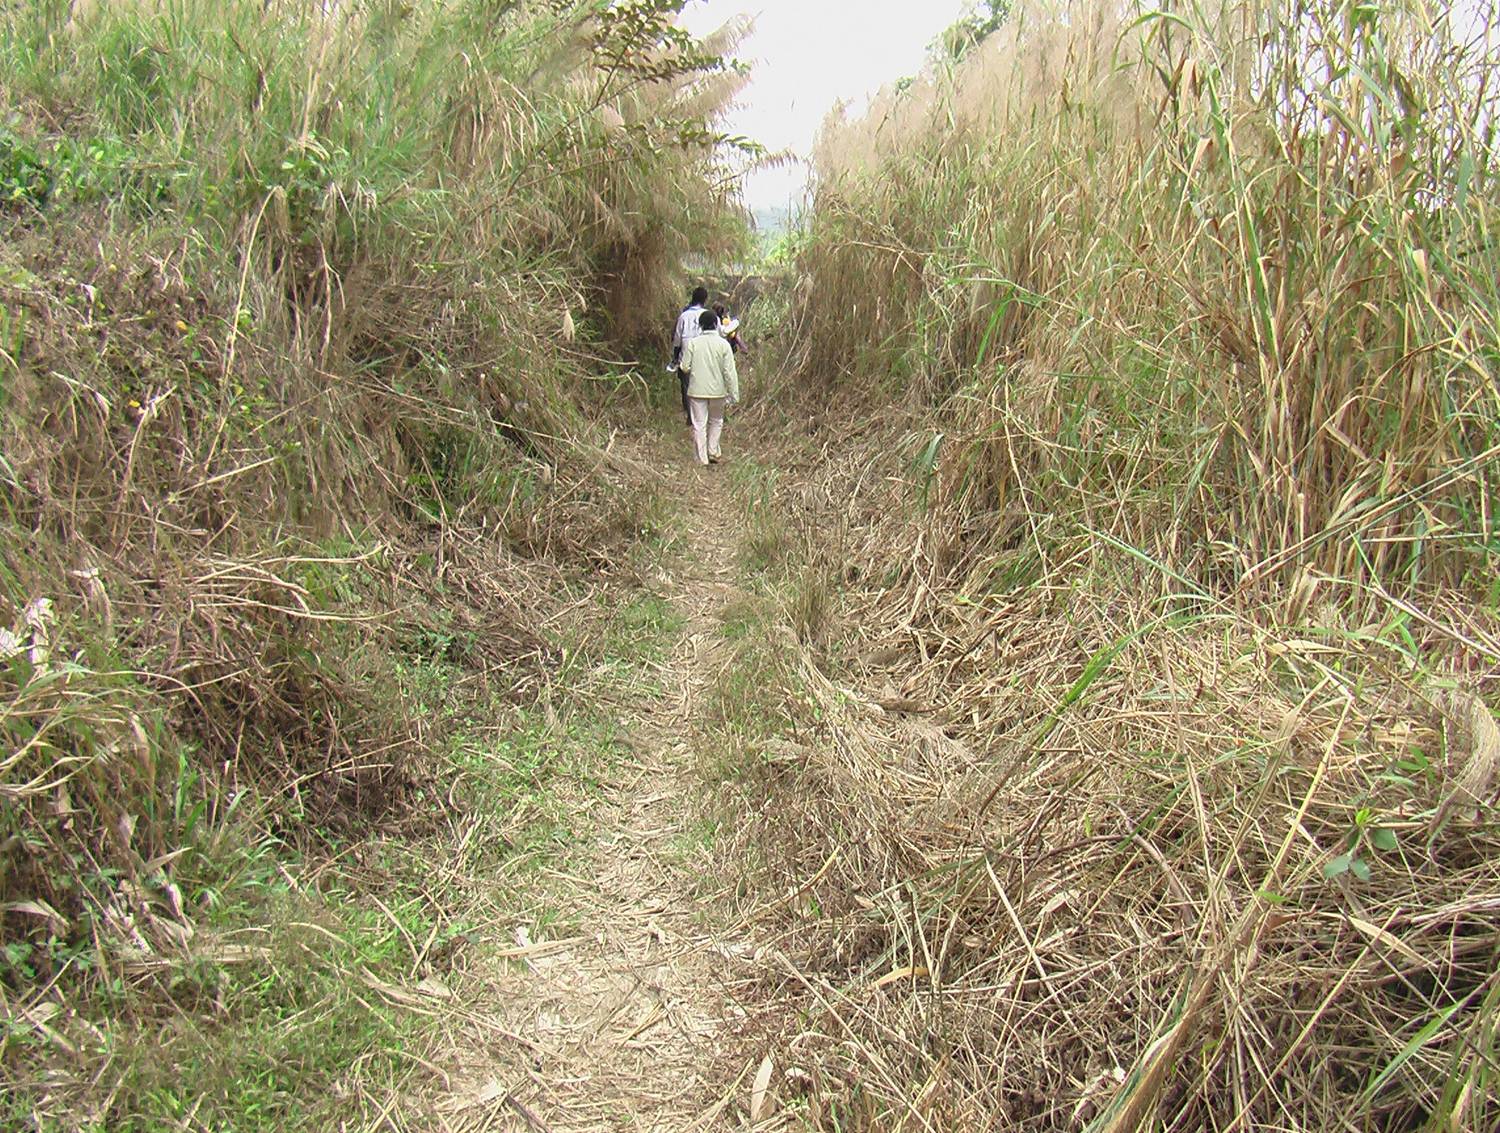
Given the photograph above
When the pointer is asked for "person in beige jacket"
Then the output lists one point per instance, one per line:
(713, 384)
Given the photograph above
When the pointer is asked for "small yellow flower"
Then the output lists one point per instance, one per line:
(180, 325)
(134, 404)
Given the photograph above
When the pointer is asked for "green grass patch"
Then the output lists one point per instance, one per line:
(642, 630)
(268, 1017)
(767, 538)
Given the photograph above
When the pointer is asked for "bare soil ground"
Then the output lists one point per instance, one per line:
(633, 1021)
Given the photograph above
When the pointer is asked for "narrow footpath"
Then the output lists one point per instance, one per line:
(635, 1023)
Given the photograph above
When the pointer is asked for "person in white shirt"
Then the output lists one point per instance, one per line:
(713, 384)
(686, 330)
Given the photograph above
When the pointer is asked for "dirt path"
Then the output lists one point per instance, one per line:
(632, 1023)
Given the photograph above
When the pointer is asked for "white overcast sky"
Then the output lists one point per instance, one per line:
(808, 54)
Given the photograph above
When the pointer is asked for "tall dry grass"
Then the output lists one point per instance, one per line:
(1143, 774)
(301, 305)
(1042, 849)
(1215, 281)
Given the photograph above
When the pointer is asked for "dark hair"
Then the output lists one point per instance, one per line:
(719, 310)
(700, 296)
(708, 320)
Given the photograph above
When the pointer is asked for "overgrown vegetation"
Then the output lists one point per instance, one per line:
(1104, 723)
(301, 307)
(1146, 779)
(1214, 283)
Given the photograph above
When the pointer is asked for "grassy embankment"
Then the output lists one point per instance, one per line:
(1130, 624)
(299, 314)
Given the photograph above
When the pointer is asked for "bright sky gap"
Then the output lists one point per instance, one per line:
(807, 56)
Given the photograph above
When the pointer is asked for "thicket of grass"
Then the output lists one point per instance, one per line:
(1146, 779)
(1218, 282)
(302, 311)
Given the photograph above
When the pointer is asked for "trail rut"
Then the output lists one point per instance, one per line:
(635, 1022)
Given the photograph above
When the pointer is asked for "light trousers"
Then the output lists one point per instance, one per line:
(707, 415)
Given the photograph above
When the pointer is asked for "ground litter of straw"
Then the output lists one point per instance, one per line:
(635, 1022)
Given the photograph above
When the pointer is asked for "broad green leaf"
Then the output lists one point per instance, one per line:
(1383, 838)
(1337, 867)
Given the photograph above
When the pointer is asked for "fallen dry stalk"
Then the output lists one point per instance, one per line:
(1130, 868)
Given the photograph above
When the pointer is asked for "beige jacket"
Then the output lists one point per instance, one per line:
(709, 363)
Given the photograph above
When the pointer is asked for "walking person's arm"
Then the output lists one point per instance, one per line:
(676, 344)
(731, 378)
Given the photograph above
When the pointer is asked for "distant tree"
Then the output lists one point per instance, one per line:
(976, 25)
(979, 21)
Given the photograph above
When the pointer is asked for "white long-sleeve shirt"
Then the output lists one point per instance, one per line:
(687, 326)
